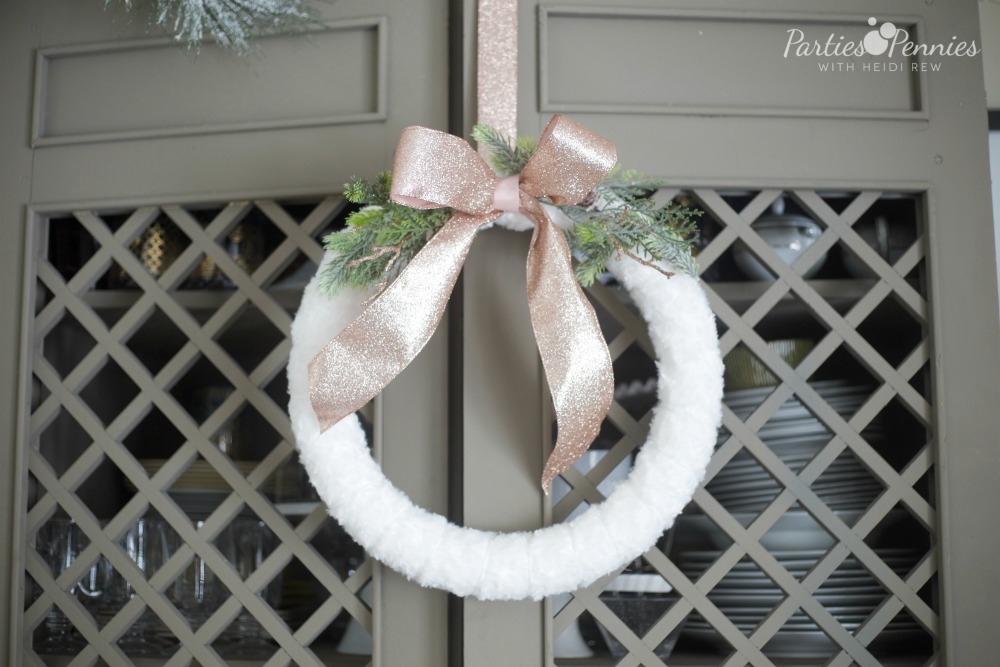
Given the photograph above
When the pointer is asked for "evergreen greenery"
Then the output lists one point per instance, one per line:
(619, 218)
(624, 219)
(379, 240)
(506, 159)
(232, 23)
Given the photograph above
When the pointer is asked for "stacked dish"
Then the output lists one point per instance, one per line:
(746, 596)
(795, 435)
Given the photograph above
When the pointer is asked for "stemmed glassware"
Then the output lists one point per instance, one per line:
(248, 541)
(146, 544)
(197, 592)
(60, 541)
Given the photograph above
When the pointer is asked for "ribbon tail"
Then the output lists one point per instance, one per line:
(573, 350)
(365, 357)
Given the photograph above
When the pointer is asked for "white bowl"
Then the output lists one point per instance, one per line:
(788, 235)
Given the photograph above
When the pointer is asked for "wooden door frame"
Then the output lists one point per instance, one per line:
(963, 287)
(417, 469)
(941, 151)
(16, 49)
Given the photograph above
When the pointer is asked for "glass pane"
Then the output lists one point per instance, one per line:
(809, 540)
(168, 513)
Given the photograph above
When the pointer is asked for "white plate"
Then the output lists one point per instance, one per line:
(833, 475)
(729, 495)
(794, 408)
(798, 623)
(846, 505)
(852, 573)
(744, 468)
(795, 529)
(798, 568)
(846, 604)
(798, 428)
(819, 386)
(838, 485)
(826, 389)
(767, 588)
(804, 555)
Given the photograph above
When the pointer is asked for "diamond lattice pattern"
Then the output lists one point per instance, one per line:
(814, 535)
(167, 513)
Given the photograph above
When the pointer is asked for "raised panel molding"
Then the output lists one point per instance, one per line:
(670, 54)
(150, 88)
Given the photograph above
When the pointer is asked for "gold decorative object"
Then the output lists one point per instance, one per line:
(244, 244)
(745, 371)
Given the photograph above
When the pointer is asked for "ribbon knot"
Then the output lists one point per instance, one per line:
(433, 169)
(507, 194)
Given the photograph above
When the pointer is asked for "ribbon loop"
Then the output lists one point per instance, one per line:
(431, 170)
(570, 161)
(423, 155)
(373, 349)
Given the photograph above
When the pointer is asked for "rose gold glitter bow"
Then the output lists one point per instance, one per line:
(433, 170)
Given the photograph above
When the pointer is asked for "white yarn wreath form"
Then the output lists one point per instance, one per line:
(433, 552)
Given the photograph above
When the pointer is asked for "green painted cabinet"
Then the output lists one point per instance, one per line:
(161, 211)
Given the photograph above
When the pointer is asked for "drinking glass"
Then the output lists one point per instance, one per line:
(250, 542)
(146, 544)
(197, 592)
(60, 541)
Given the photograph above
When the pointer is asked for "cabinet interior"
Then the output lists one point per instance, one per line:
(159, 341)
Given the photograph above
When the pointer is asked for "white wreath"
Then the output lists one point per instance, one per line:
(561, 558)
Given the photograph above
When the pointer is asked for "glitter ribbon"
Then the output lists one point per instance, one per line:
(496, 66)
(433, 170)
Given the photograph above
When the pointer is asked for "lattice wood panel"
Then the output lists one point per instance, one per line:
(150, 305)
(859, 493)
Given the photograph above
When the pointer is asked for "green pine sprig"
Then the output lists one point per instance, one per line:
(619, 218)
(505, 157)
(379, 239)
(233, 24)
(370, 193)
(625, 220)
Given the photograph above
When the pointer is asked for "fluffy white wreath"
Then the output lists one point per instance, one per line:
(428, 549)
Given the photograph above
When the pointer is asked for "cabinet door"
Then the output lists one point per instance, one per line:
(160, 213)
(843, 519)
(866, 540)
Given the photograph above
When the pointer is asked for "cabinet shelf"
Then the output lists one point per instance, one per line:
(327, 654)
(795, 316)
(191, 299)
(741, 294)
(247, 330)
(690, 659)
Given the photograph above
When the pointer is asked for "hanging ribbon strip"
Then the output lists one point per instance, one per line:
(496, 66)
(433, 170)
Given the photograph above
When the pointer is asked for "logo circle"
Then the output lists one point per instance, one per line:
(875, 44)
